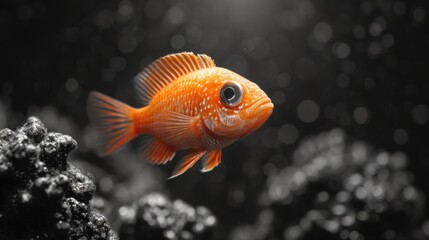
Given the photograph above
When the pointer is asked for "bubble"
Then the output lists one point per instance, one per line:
(360, 115)
(308, 111)
(72, 85)
(341, 50)
(106, 184)
(127, 44)
(269, 139)
(154, 9)
(178, 41)
(400, 136)
(283, 80)
(419, 14)
(290, 20)
(377, 26)
(193, 33)
(104, 19)
(278, 97)
(288, 134)
(399, 8)
(420, 114)
(175, 15)
(388, 41)
(125, 10)
(425, 228)
(343, 80)
(322, 32)
(374, 48)
(358, 31)
(306, 69)
(117, 63)
(108, 75)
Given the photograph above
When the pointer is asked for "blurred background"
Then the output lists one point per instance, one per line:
(358, 67)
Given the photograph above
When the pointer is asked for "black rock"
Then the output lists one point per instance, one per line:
(157, 218)
(339, 189)
(41, 195)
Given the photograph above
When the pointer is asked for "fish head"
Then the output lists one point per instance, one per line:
(237, 105)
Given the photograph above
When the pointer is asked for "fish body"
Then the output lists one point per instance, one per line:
(190, 104)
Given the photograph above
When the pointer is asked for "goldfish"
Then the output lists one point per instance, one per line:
(188, 104)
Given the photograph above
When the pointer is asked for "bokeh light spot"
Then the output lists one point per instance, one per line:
(288, 134)
(341, 50)
(178, 41)
(308, 111)
(360, 115)
(420, 114)
(322, 32)
(400, 136)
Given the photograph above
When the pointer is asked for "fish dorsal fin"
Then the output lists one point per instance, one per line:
(167, 69)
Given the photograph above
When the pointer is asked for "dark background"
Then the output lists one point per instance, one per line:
(356, 65)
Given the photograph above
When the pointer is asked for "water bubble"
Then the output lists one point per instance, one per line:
(420, 114)
(360, 115)
(400, 136)
(374, 48)
(283, 80)
(175, 15)
(154, 9)
(358, 31)
(399, 8)
(72, 85)
(127, 44)
(117, 63)
(288, 134)
(104, 19)
(419, 14)
(322, 32)
(125, 10)
(343, 80)
(377, 26)
(178, 41)
(107, 75)
(388, 41)
(308, 111)
(341, 50)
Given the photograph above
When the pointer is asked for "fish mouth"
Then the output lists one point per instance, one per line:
(261, 109)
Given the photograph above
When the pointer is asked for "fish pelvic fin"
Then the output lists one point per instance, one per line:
(113, 120)
(211, 160)
(157, 152)
(188, 161)
(166, 69)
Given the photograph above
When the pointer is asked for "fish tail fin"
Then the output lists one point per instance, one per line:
(113, 120)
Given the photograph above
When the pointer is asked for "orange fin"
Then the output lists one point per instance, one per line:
(188, 161)
(177, 129)
(211, 160)
(157, 152)
(112, 119)
(167, 69)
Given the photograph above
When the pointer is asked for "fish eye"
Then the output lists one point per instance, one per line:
(231, 94)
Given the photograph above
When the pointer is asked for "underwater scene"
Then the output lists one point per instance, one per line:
(214, 119)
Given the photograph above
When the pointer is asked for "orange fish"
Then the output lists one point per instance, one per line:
(189, 104)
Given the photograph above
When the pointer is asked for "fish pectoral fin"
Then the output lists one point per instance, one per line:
(188, 161)
(157, 152)
(211, 160)
(177, 129)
